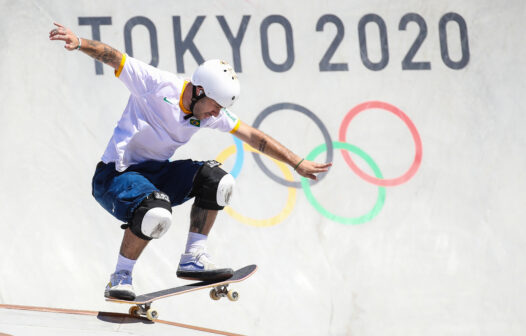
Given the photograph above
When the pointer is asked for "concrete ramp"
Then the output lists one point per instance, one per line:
(29, 321)
(418, 228)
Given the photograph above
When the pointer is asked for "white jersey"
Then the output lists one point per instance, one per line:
(152, 126)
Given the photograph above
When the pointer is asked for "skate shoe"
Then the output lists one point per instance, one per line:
(120, 286)
(198, 266)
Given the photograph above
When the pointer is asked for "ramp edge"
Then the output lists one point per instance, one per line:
(113, 314)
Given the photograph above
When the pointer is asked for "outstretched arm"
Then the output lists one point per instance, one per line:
(274, 149)
(98, 50)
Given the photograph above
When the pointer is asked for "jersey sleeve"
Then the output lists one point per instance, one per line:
(139, 77)
(227, 121)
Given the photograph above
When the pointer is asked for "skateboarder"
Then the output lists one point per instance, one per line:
(137, 184)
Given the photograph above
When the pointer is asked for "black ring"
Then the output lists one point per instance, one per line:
(317, 121)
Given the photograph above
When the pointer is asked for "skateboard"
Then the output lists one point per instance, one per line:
(142, 303)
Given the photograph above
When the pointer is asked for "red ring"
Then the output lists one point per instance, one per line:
(416, 138)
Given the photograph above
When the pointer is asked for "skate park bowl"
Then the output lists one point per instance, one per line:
(417, 228)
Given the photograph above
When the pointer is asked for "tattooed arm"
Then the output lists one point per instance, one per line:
(265, 144)
(98, 50)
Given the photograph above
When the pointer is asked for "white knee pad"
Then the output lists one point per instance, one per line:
(212, 187)
(225, 189)
(156, 222)
(153, 217)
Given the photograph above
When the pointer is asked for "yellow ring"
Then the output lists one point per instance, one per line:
(261, 222)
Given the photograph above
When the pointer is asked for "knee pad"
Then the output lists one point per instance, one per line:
(153, 217)
(213, 186)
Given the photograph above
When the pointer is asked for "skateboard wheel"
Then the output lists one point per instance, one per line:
(232, 295)
(213, 295)
(134, 311)
(152, 314)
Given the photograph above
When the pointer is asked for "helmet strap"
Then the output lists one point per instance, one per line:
(195, 99)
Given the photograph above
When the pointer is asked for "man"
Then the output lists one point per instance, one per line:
(137, 184)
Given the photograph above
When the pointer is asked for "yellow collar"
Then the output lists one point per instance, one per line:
(186, 111)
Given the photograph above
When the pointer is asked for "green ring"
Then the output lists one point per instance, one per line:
(345, 220)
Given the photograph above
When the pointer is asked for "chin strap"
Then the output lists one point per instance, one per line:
(195, 99)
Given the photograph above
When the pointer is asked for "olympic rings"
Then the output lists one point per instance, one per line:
(345, 220)
(291, 199)
(416, 138)
(317, 121)
(328, 146)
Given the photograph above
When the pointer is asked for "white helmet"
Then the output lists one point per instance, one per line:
(218, 80)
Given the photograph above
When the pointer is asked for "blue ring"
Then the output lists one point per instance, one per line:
(240, 157)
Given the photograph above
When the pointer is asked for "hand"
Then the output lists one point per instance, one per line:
(308, 169)
(64, 34)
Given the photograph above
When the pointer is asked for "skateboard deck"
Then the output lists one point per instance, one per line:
(142, 303)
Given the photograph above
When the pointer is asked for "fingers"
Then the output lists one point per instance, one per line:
(55, 32)
(320, 167)
(324, 165)
(54, 35)
(310, 176)
(308, 169)
(316, 170)
(60, 37)
(61, 31)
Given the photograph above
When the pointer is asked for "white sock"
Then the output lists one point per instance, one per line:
(125, 264)
(196, 242)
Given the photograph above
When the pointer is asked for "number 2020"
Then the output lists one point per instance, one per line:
(407, 63)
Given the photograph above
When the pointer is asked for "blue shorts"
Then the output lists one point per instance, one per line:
(120, 193)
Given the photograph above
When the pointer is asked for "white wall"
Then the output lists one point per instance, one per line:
(442, 256)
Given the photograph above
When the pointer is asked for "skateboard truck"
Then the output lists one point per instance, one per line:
(144, 310)
(218, 292)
